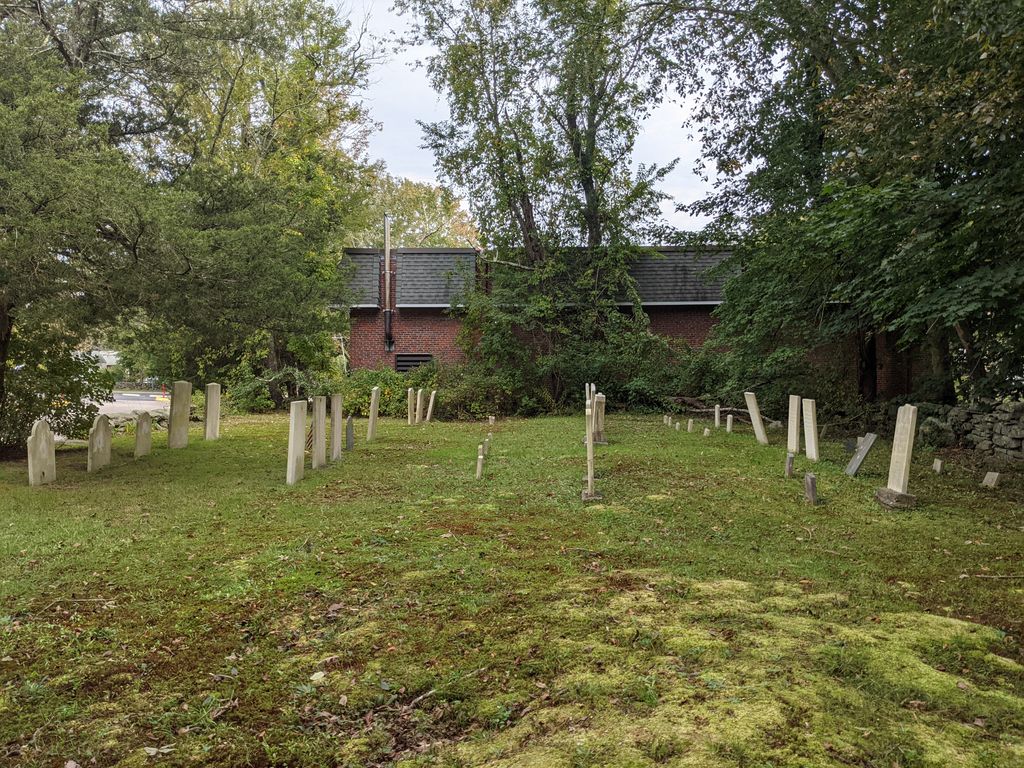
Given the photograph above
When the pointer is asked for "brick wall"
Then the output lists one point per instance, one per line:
(691, 323)
(415, 331)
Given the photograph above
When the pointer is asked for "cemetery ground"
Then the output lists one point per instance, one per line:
(189, 608)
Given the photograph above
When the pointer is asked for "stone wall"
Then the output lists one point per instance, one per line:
(994, 429)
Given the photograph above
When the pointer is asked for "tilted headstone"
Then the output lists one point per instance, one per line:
(410, 405)
(143, 434)
(728, 423)
(789, 465)
(371, 429)
(811, 488)
(755, 418)
(718, 417)
(707, 432)
(895, 492)
(100, 436)
(991, 480)
(864, 446)
(811, 429)
(296, 442)
(318, 454)
(42, 454)
(430, 406)
(211, 415)
(689, 425)
(937, 466)
(599, 401)
(337, 424)
(350, 434)
(181, 407)
(793, 435)
(420, 405)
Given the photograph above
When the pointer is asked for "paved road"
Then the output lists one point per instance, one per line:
(126, 402)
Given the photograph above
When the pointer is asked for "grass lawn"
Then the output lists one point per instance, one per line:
(190, 609)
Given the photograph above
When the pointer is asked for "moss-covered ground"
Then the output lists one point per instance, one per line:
(190, 609)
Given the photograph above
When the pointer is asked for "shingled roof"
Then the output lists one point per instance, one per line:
(365, 281)
(432, 277)
(672, 276)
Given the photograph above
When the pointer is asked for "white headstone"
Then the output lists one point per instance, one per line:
(755, 418)
(902, 449)
(337, 424)
(430, 406)
(42, 457)
(100, 436)
(718, 416)
(937, 466)
(410, 405)
(480, 461)
(371, 429)
(991, 480)
(296, 442)
(678, 426)
(689, 425)
(212, 411)
(319, 453)
(811, 429)
(143, 434)
(599, 402)
(590, 492)
(728, 423)
(707, 432)
(490, 420)
(420, 405)
(181, 407)
(793, 436)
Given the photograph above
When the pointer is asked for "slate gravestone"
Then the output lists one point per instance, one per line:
(755, 418)
(863, 448)
(789, 465)
(143, 434)
(811, 489)
(350, 434)
(296, 442)
(42, 457)
(100, 435)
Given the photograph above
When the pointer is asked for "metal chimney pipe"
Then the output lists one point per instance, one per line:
(388, 340)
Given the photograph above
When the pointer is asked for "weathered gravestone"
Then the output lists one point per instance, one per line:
(420, 405)
(181, 407)
(707, 432)
(793, 435)
(728, 423)
(296, 442)
(589, 491)
(599, 438)
(371, 429)
(350, 434)
(755, 418)
(789, 465)
(430, 406)
(937, 466)
(811, 489)
(864, 446)
(337, 421)
(410, 405)
(212, 412)
(991, 480)
(895, 492)
(318, 454)
(718, 417)
(811, 429)
(689, 425)
(100, 436)
(678, 426)
(42, 456)
(143, 434)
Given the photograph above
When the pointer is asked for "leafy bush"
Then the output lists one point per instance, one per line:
(935, 433)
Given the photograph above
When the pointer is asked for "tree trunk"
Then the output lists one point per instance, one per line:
(939, 365)
(867, 369)
(274, 366)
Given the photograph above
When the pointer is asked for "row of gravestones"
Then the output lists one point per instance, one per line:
(415, 401)
(42, 458)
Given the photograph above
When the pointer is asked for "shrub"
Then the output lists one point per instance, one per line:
(936, 433)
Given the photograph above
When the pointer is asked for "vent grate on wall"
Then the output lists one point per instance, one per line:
(406, 362)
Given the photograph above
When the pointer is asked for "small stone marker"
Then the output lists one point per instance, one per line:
(211, 412)
(371, 429)
(42, 456)
(811, 429)
(350, 434)
(490, 420)
(143, 434)
(718, 416)
(337, 420)
(181, 405)
(666, 420)
(430, 406)
(707, 432)
(100, 435)
(487, 443)
(811, 489)
(789, 465)
(937, 466)
(895, 493)
(755, 418)
(296, 442)
(728, 423)
(864, 446)
(480, 461)
(410, 402)
(319, 452)
(599, 438)
(991, 480)
(689, 425)
(420, 405)
(793, 436)
(678, 426)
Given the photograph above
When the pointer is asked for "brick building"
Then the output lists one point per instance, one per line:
(411, 323)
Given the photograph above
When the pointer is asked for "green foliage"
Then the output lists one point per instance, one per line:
(936, 433)
(356, 389)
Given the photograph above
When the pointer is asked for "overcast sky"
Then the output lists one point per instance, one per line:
(400, 94)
